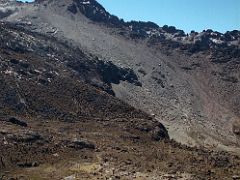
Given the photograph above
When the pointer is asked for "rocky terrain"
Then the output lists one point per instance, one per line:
(85, 95)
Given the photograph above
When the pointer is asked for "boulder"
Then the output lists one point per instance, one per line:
(159, 133)
(140, 25)
(18, 122)
(236, 128)
(72, 8)
(169, 29)
(220, 160)
(235, 177)
(27, 164)
(14, 61)
(79, 144)
(6, 12)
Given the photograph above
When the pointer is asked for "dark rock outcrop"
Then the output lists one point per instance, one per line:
(72, 8)
(96, 12)
(79, 144)
(25, 137)
(16, 121)
(5, 13)
(159, 133)
(236, 129)
(101, 74)
(27, 164)
(142, 25)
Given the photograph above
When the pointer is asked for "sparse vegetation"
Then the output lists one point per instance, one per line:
(63, 62)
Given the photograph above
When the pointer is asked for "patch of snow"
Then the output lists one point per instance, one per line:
(216, 41)
(22, 101)
(56, 73)
(56, 155)
(70, 177)
(37, 71)
(10, 72)
(5, 141)
(86, 2)
(131, 27)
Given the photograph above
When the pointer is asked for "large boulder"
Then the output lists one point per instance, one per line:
(159, 133)
(18, 122)
(156, 129)
(236, 128)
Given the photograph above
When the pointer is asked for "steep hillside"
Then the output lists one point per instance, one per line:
(51, 106)
(190, 81)
(83, 95)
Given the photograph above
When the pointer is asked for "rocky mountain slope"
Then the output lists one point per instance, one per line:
(53, 104)
(62, 62)
(189, 81)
